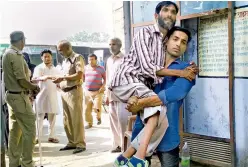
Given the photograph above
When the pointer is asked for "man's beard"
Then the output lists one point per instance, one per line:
(165, 23)
(172, 55)
(114, 52)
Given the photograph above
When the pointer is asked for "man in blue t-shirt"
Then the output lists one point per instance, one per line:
(171, 94)
(101, 62)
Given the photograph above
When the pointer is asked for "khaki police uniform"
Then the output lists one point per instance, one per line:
(22, 118)
(72, 98)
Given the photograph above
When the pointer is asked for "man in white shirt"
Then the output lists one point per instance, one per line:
(47, 99)
(118, 115)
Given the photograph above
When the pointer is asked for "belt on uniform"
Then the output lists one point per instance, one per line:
(70, 88)
(13, 92)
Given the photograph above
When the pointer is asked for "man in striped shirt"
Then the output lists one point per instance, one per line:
(171, 93)
(95, 79)
(140, 70)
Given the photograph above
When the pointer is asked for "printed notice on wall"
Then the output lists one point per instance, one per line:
(241, 43)
(213, 45)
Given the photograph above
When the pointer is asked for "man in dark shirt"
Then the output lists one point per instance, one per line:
(30, 65)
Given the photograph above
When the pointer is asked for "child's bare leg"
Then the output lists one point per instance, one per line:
(150, 126)
(129, 152)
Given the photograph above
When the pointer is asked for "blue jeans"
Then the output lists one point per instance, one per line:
(170, 158)
(167, 159)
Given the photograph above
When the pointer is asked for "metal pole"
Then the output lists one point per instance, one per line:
(39, 140)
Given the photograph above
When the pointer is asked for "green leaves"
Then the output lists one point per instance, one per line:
(83, 36)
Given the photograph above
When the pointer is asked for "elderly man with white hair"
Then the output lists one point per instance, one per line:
(117, 112)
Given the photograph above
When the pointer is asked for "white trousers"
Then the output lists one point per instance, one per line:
(140, 90)
(118, 117)
(51, 120)
(157, 135)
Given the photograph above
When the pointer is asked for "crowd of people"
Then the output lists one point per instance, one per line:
(150, 82)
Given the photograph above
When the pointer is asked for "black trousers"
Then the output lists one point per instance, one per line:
(6, 119)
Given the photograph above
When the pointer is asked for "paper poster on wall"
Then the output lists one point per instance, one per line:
(241, 43)
(213, 45)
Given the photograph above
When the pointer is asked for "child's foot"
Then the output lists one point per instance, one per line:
(136, 162)
(120, 161)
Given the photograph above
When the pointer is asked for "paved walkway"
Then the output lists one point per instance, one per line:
(98, 141)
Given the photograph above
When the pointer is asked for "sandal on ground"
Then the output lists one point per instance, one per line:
(53, 140)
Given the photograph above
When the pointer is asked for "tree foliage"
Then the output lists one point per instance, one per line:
(83, 36)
